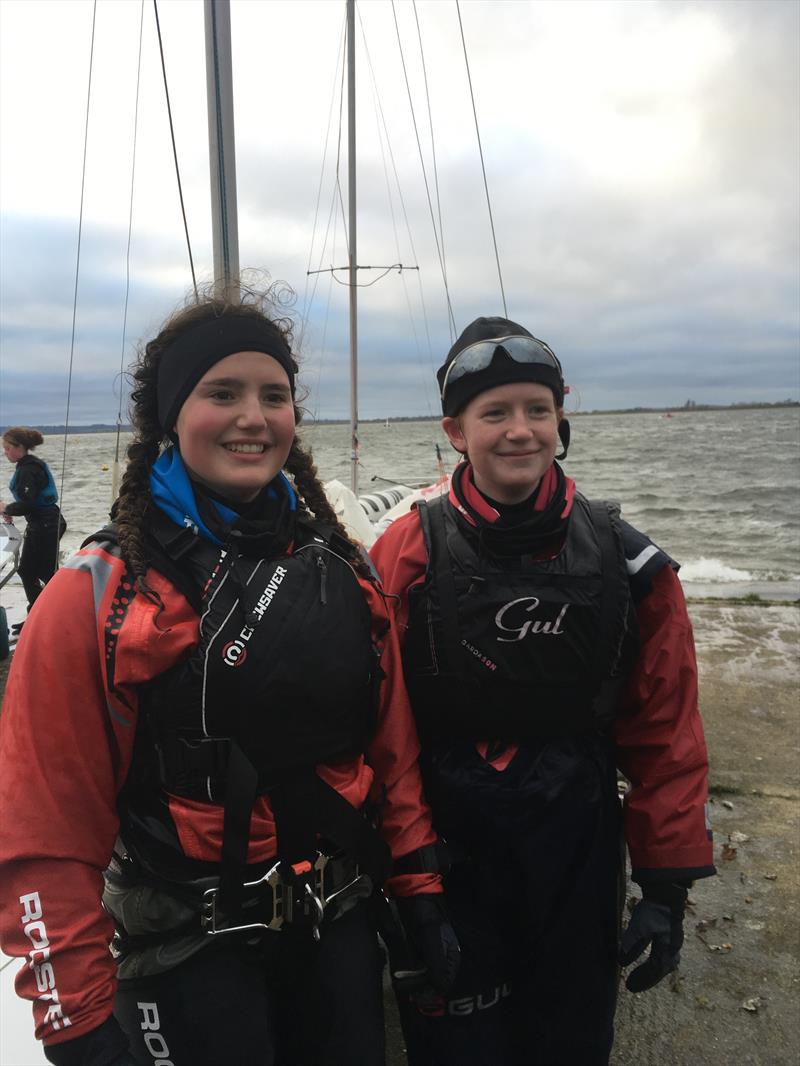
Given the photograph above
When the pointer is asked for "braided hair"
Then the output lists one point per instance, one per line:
(149, 438)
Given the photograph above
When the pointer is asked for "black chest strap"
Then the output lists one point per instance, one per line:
(431, 516)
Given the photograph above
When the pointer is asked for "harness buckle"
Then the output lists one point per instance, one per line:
(281, 896)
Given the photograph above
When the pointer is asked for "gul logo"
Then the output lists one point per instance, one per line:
(436, 1007)
(508, 613)
(39, 960)
(469, 1004)
(235, 651)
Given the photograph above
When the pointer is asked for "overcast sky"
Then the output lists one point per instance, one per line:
(641, 157)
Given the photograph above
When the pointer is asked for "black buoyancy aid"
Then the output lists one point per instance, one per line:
(285, 666)
(518, 649)
(285, 676)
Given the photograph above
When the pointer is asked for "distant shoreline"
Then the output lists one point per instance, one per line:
(100, 427)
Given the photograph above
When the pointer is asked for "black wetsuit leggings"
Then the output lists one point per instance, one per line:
(39, 556)
(287, 1002)
(536, 910)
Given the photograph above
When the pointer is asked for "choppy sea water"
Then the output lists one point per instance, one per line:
(718, 490)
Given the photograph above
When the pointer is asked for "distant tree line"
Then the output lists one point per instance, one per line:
(690, 405)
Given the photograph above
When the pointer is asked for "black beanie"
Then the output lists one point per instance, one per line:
(501, 371)
(194, 352)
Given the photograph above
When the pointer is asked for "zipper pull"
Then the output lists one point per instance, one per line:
(323, 574)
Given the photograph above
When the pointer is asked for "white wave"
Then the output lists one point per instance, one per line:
(712, 570)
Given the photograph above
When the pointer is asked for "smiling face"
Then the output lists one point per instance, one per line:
(14, 452)
(511, 435)
(237, 425)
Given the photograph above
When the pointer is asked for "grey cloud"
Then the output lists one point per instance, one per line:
(651, 294)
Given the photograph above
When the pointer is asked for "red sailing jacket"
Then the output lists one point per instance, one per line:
(66, 743)
(659, 735)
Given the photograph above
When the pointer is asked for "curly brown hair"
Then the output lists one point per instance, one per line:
(23, 437)
(134, 501)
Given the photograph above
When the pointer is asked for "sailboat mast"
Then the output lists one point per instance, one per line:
(351, 189)
(221, 148)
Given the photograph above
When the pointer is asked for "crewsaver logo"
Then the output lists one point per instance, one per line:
(235, 651)
(39, 960)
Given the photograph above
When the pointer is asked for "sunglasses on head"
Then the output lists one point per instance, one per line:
(479, 356)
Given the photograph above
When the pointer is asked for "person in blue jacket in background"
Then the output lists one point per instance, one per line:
(36, 500)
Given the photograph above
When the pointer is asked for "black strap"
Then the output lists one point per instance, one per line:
(614, 594)
(349, 828)
(613, 611)
(431, 516)
(306, 805)
(240, 796)
(168, 544)
(168, 548)
(435, 858)
(293, 809)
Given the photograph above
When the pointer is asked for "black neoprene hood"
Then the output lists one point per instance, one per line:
(502, 370)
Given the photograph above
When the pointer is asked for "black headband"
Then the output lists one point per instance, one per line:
(188, 358)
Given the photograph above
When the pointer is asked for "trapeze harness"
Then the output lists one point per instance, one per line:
(285, 677)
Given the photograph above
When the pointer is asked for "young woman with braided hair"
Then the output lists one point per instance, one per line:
(191, 768)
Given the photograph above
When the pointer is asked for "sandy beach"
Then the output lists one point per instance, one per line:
(735, 997)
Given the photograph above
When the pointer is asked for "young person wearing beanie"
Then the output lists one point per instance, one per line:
(193, 766)
(546, 643)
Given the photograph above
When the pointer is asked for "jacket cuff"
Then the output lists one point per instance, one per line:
(413, 885)
(99, 1047)
(649, 876)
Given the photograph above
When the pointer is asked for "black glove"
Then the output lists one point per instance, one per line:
(658, 920)
(432, 937)
(106, 1045)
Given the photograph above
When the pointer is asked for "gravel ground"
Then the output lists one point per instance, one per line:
(735, 999)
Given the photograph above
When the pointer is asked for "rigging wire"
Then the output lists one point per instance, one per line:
(128, 255)
(338, 186)
(77, 274)
(308, 301)
(323, 342)
(451, 319)
(368, 284)
(386, 146)
(483, 167)
(175, 150)
(430, 126)
(333, 215)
